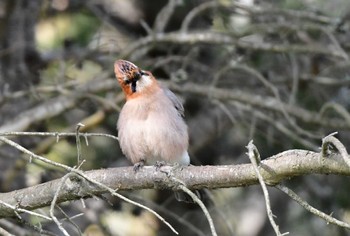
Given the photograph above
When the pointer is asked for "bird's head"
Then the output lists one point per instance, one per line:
(133, 80)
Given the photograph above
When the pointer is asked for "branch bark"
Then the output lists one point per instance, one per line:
(274, 170)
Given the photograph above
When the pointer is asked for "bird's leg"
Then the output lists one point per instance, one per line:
(168, 172)
(159, 164)
(139, 165)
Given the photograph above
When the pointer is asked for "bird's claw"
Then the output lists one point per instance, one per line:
(138, 165)
(177, 166)
(159, 164)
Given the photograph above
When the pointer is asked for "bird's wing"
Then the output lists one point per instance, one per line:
(175, 100)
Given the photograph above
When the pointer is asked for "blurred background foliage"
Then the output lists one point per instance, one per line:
(56, 70)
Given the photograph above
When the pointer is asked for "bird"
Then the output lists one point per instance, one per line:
(151, 126)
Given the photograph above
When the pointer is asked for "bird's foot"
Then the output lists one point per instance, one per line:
(170, 171)
(177, 166)
(139, 165)
(159, 164)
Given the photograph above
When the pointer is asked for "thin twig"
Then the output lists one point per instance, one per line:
(196, 230)
(288, 132)
(202, 206)
(53, 204)
(196, 11)
(33, 155)
(70, 219)
(341, 110)
(114, 193)
(270, 86)
(311, 209)
(36, 228)
(20, 210)
(336, 44)
(77, 138)
(330, 139)
(56, 134)
(295, 74)
(254, 157)
(164, 15)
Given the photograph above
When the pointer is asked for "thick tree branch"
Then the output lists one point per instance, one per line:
(274, 169)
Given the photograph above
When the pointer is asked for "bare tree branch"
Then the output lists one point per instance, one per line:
(216, 38)
(264, 102)
(280, 167)
(55, 106)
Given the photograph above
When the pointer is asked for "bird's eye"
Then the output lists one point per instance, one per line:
(144, 73)
(137, 75)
